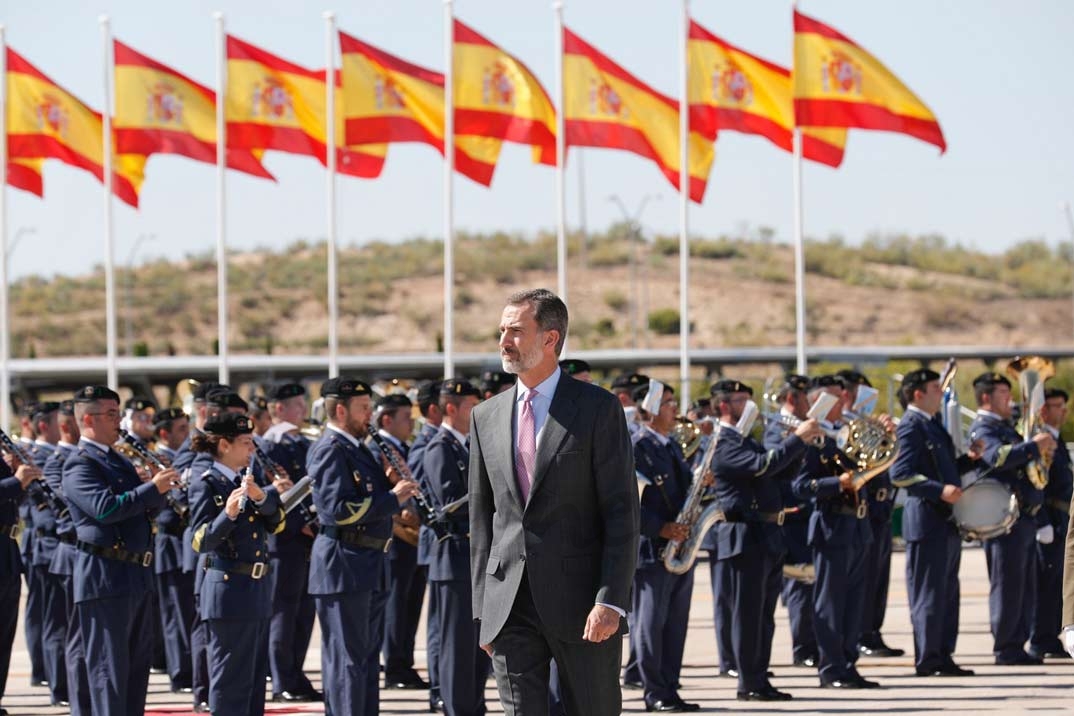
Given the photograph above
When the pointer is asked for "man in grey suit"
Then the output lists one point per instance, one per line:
(553, 522)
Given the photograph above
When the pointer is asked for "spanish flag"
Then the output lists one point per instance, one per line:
(838, 84)
(387, 99)
(46, 121)
(25, 174)
(275, 104)
(497, 96)
(606, 106)
(734, 90)
(161, 110)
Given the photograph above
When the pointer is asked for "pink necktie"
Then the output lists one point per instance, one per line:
(526, 449)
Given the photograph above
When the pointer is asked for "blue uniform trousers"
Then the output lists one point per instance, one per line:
(238, 664)
(78, 687)
(661, 612)
(10, 590)
(933, 590)
(1047, 615)
(54, 632)
(199, 655)
(749, 578)
(721, 611)
(406, 590)
(877, 579)
(464, 666)
(350, 650)
(117, 652)
(837, 608)
(797, 597)
(33, 619)
(432, 642)
(1012, 576)
(292, 624)
(159, 658)
(176, 590)
(774, 581)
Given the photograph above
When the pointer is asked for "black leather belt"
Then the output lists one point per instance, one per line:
(13, 531)
(66, 537)
(348, 536)
(775, 518)
(254, 570)
(42, 532)
(858, 512)
(884, 494)
(1056, 504)
(118, 554)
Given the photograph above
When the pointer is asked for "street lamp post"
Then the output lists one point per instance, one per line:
(128, 322)
(633, 222)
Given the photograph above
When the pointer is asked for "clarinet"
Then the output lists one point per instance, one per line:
(430, 516)
(296, 495)
(153, 459)
(52, 499)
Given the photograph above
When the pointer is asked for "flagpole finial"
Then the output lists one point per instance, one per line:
(218, 15)
(103, 20)
(557, 5)
(328, 15)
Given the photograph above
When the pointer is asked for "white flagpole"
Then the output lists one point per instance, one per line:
(330, 164)
(684, 208)
(221, 197)
(449, 176)
(109, 247)
(5, 330)
(799, 257)
(561, 163)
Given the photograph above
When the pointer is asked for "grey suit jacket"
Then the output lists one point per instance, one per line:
(576, 538)
(1068, 575)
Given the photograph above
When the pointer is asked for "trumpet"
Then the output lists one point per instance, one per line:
(129, 444)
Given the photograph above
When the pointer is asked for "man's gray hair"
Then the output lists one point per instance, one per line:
(550, 311)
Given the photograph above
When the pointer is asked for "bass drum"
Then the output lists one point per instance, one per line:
(986, 509)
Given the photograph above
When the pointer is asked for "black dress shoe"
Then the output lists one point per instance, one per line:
(61, 703)
(406, 682)
(880, 650)
(809, 662)
(841, 684)
(864, 683)
(1056, 655)
(157, 670)
(767, 694)
(730, 673)
(632, 684)
(299, 697)
(1020, 660)
(38, 682)
(671, 705)
(201, 708)
(182, 689)
(953, 670)
(436, 705)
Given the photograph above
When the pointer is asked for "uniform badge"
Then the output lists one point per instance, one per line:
(218, 500)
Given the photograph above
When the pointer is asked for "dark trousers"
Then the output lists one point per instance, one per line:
(1047, 614)
(877, 579)
(118, 652)
(159, 658)
(10, 591)
(291, 628)
(33, 620)
(588, 672)
(238, 664)
(464, 666)
(199, 656)
(719, 573)
(432, 642)
(661, 612)
(932, 588)
(1012, 576)
(773, 583)
(837, 608)
(749, 579)
(798, 599)
(402, 611)
(54, 633)
(176, 594)
(350, 649)
(78, 686)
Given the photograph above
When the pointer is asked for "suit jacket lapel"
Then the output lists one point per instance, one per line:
(560, 415)
(502, 417)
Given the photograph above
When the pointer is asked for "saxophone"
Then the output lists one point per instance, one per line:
(679, 557)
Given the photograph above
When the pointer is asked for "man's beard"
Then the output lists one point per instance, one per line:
(357, 428)
(524, 362)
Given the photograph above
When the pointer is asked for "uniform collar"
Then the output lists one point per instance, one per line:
(662, 439)
(989, 414)
(224, 470)
(454, 433)
(354, 441)
(729, 426)
(919, 411)
(100, 446)
(391, 439)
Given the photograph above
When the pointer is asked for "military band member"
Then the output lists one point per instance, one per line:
(840, 536)
(881, 496)
(175, 588)
(12, 491)
(35, 599)
(494, 382)
(232, 519)
(355, 503)
(577, 369)
(930, 472)
(796, 591)
(406, 583)
(464, 667)
(1052, 534)
(109, 507)
(291, 627)
(749, 538)
(1010, 556)
(623, 387)
(259, 415)
(661, 599)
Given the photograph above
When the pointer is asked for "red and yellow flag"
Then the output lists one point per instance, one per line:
(46, 121)
(838, 84)
(276, 104)
(25, 174)
(387, 99)
(161, 110)
(735, 90)
(497, 96)
(606, 106)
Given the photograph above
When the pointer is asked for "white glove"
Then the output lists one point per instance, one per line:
(1068, 640)
(1046, 534)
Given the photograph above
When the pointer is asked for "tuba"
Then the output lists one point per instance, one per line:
(679, 557)
(1031, 372)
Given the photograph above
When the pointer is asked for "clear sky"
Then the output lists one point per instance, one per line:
(995, 72)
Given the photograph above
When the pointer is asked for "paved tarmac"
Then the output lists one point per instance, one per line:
(1043, 689)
